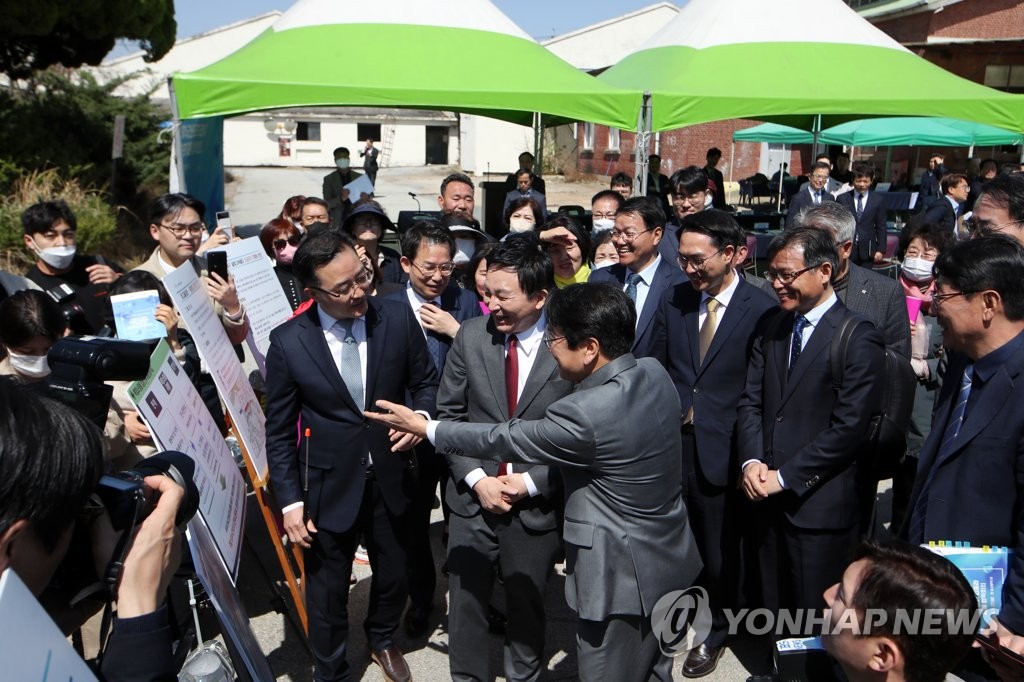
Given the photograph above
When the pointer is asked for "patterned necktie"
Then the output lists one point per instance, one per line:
(707, 330)
(434, 343)
(511, 386)
(351, 366)
(952, 430)
(798, 339)
(860, 206)
(631, 282)
(817, 198)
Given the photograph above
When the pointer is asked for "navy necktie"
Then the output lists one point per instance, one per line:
(860, 206)
(799, 323)
(631, 283)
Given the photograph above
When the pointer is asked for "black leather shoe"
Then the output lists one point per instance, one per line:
(702, 660)
(392, 664)
(417, 620)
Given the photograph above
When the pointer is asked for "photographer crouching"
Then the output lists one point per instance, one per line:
(51, 459)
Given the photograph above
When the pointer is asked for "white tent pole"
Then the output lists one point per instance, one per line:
(732, 159)
(970, 152)
(538, 143)
(782, 178)
(177, 170)
(816, 129)
(642, 151)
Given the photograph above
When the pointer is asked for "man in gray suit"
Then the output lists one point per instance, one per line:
(499, 368)
(616, 441)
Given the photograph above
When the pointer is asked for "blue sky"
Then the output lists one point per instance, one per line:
(539, 18)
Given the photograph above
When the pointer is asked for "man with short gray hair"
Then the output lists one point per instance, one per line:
(876, 297)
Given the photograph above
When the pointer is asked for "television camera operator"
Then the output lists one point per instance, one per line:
(51, 458)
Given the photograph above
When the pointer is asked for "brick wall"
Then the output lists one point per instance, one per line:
(681, 148)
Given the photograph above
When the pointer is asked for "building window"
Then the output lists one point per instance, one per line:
(613, 139)
(1004, 77)
(588, 135)
(367, 130)
(308, 131)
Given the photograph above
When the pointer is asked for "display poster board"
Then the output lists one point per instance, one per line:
(178, 420)
(31, 645)
(196, 309)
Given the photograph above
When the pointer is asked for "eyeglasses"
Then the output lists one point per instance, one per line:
(345, 289)
(179, 229)
(788, 278)
(697, 263)
(281, 243)
(983, 227)
(939, 299)
(429, 269)
(550, 340)
(627, 237)
(695, 199)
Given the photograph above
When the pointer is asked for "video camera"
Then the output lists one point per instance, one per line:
(80, 364)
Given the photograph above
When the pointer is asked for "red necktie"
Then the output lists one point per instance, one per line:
(511, 385)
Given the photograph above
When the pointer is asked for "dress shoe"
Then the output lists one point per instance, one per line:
(417, 620)
(702, 660)
(762, 678)
(392, 664)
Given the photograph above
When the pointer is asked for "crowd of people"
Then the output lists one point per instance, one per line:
(624, 391)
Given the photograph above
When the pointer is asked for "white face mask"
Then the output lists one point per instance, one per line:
(464, 250)
(602, 224)
(57, 257)
(342, 164)
(602, 264)
(34, 366)
(518, 225)
(918, 269)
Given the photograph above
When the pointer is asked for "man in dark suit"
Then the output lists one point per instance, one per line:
(441, 306)
(814, 195)
(969, 484)
(799, 436)
(615, 439)
(335, 194)
(946, 209)
(690, 194)
(504, 515)
(1000, 208)
(878, 298)
(345, 478)
(525, 163)
(370, 165)
(930, 190)
(702, 334)
(869, 241)
(524, 190)
(713, 156)
(641, 271)
(658, 185)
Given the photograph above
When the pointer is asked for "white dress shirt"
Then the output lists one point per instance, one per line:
(723, 298)
(417, 302)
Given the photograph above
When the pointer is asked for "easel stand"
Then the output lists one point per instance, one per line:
(294, 570)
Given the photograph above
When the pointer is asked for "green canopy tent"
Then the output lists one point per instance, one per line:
(773, 132)
(459, 55)
(916, 130)
(809, 64)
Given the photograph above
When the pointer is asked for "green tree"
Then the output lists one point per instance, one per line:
(68, 124)
(36, 34)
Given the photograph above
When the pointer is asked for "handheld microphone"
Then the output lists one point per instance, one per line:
(305, 483)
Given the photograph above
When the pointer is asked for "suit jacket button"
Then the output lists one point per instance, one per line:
(362, 461)
(366, 425)
(779, 418)
(696, 390)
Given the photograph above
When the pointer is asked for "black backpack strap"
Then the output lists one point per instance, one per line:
(839, 346)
